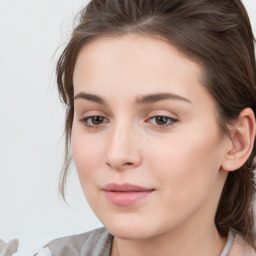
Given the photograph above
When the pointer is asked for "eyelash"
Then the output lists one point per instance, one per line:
(87, 121)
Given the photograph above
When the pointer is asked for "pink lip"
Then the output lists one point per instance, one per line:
(125, 194)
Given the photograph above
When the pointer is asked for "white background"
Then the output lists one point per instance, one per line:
(32, 122)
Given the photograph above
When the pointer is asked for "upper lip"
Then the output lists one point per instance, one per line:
(125, 187)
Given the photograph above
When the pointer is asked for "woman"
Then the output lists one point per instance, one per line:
(161, 103)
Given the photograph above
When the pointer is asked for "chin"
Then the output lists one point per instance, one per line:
(131, 229)
(128, 233)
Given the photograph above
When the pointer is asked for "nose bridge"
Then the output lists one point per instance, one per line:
(122, 149)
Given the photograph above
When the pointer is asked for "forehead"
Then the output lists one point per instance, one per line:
(131, 55)
(136, 64)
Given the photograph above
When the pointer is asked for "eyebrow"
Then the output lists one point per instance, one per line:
(152, 98)
(90, 97)
(145, 99)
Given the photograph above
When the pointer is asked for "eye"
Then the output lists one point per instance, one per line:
(162, 121)
(93, 121)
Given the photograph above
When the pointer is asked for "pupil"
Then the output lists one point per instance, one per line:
(97, 120)
(161, 120)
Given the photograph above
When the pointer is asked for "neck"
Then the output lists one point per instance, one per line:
(199, 242)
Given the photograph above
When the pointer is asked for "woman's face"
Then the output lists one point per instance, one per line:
(145, 138)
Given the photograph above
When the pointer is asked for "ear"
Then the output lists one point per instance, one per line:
(241, 144)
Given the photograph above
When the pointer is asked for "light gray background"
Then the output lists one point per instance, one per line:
(31, 125)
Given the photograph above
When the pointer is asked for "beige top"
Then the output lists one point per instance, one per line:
(241, 248)
(99, 241)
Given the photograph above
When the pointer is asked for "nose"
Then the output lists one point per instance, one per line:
(122, 151)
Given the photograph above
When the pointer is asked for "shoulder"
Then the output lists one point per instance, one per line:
(241, 248)
(95, 242)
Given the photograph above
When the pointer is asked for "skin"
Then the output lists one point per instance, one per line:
(180, 160)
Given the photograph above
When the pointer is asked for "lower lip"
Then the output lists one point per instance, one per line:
(126, 198)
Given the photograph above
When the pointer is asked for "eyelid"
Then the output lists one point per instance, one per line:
(162, 112)
(91, 113)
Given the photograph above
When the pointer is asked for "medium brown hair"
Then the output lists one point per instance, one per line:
(214, 33)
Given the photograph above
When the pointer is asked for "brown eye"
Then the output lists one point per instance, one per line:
(161, 120)
(96, 120)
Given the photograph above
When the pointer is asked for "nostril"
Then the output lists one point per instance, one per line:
(128, 164)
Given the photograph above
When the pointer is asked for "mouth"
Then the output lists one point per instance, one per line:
(125, 194)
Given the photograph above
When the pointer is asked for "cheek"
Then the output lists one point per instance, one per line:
(87, 154)
(189, 162)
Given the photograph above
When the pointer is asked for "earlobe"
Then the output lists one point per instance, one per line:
(243, 136)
